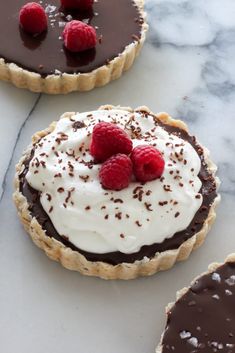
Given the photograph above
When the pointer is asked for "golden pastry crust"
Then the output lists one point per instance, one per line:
(211, 268)
(73, 260)
(65, 83)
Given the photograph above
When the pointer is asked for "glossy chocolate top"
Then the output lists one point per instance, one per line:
(118, 23)
(203, 320)
(208, 191)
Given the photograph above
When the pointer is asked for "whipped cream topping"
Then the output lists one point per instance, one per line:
(101, 221)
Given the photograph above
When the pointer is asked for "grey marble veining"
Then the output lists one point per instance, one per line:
(208, 29)
(187, 69)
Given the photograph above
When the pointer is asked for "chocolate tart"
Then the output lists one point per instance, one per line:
(203, 317)
(150, 258)
(42, 64)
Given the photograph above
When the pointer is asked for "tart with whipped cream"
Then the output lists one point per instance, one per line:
(37, 57)
(203, 317)
(139, 229)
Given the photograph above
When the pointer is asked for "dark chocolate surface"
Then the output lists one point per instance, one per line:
(203, 320)
(208, 191)
(116, 21)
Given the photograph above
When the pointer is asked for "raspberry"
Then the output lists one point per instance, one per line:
(115, 173)
(148, 163)
(109, 139)
(79, 36)
(33, 18)
(83, 5)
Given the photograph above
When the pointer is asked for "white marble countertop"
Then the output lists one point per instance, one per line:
(187, 69)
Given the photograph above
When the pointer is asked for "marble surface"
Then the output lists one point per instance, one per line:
(187, 69)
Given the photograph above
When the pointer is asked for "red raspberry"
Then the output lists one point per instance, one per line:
(79, 36)
(33, 18)
(83, 5)
(115, 173)
(148, 163)
(109, 139)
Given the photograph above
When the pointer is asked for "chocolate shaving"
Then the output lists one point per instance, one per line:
(85, 178)
(48, 197)
(118, 215)
(78, 125)
(162, 203)
(58, 175)
(167, 188)
(118, 201)
(148, 206)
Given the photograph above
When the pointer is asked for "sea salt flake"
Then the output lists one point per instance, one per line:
(231, 280)
(217, 345)
(193, 341)
(228, 292)
(215, 296)
(229, 345)
(61, 24)
(214, 344)
(216, 277)
(50, 8)
(185, 334)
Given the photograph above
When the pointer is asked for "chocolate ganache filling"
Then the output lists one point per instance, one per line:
(203, 320)
(118, 23)
(208, 191)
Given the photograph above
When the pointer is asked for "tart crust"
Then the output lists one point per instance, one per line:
(211, 268)
(65, 83)
(73, 260)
